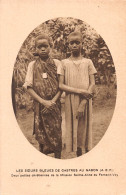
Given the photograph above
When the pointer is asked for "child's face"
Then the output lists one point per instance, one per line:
(42, 48)
(75, 44)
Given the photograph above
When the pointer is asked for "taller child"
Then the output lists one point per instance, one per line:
(42, 83)
(78, 82)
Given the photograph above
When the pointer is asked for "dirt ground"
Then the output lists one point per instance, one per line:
(103, 108)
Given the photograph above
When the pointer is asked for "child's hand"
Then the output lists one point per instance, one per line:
(81, 109)
(86, 94)
(48, 103)
(92, 90)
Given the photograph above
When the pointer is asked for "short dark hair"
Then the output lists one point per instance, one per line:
(75, 33)
(44, 36)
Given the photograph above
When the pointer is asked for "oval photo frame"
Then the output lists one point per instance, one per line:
(94, 48)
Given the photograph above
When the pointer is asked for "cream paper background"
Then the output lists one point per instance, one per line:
(17, 20)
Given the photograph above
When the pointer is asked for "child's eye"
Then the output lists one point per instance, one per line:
(71, 42)
(40, 46)
(76, 42)
(45, 46)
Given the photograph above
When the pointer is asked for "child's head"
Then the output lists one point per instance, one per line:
(43, 44)
(75, 40)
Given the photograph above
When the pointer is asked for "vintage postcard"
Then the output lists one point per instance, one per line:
(62, 97)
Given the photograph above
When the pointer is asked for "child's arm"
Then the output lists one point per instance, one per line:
(69, 89)
(57, 96)
(91, 83)
(46, 103)
(28, 86)
(81, 108)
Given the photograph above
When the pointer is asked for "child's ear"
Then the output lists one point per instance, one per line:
(35, 54)
(82, 45)
(50, 51)
(82, 49)
(67, 43)
(35, 51)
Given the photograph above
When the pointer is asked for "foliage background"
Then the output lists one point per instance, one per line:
(94, 47)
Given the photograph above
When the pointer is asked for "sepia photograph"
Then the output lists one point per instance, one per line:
(62, 101)
(64, 87)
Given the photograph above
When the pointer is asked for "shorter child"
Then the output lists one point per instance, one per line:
(78, 82)
(43, 85)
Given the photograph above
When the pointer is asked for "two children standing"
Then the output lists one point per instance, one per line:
(45, 80)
